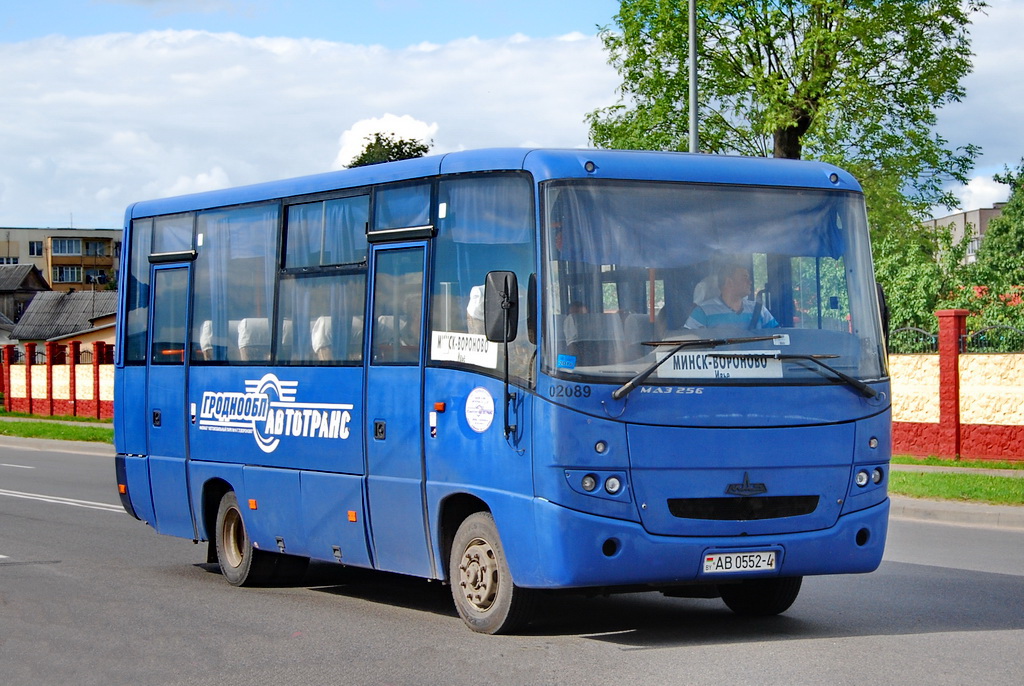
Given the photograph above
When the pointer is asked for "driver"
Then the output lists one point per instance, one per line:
(732, 307)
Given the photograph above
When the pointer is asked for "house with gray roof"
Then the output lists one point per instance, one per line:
(19, 283)
(57, 314)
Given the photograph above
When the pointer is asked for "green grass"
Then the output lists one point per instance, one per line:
(976, 488)
(948, 462)
(967, 487)
(61, 432)
(63, 418)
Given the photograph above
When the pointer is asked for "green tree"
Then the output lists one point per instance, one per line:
(854, 82)
(388, 147)
(998, 272)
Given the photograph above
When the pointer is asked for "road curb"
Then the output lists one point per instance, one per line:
(965, 514)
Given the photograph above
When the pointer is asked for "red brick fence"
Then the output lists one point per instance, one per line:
(949, 404)
(67, 380)
(956, 404)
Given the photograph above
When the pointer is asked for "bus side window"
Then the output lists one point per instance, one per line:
(233, 284)
(485, 223)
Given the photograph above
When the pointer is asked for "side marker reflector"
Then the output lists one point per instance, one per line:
(252, 503)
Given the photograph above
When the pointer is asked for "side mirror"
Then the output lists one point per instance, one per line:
(501, 306)
(883, 308)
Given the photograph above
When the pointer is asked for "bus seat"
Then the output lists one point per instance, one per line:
(706, 289)
(638, 328)
(594, 338)
(213, 346)
(475, 310)
(322, 335)
(254, 339)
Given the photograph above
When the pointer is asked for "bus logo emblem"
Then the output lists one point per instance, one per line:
(746, 488)
(269, 411)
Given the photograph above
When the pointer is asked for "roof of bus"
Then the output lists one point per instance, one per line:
(543, 164)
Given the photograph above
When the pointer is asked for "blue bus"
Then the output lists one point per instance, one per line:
(514, 371)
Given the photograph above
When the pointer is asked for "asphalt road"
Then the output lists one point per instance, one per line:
(89, 595)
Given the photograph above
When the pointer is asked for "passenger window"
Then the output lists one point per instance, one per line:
(234, 284)
(322, 297)
(321, 319)
(327, 233)
(402, 207)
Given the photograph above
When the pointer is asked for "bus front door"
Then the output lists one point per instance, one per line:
(394, 413)
(166, 400)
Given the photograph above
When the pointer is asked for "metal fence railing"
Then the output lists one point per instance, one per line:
(991, 339)
(910, 340)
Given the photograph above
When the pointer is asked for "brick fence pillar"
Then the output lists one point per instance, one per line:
(8, 352)
(74, 357)
(98, 350)
(30, 360)
(52, 352)
(952, 328)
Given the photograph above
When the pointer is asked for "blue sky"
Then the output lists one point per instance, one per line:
(106, 102)
(392, 23)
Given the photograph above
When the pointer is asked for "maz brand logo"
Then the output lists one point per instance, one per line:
(746, 488)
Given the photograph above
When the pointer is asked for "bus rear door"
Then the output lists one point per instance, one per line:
(394, 412)
(166, 399)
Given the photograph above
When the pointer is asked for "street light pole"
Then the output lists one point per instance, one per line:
(694, 136)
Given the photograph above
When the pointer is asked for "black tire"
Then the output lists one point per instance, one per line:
(761, 597)
(240, 563)
(485, 596)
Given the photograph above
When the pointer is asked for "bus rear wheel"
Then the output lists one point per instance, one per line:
(761, 597)
(485, 596)
(240, 563)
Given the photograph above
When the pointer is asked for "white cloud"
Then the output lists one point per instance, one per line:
(992, 113)
(213, 180)
(981, 192)
(405, 127)
(89, 125)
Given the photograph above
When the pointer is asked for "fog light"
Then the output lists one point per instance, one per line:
(876, 476)
(862, 478)
(612, 485)
(589, 483)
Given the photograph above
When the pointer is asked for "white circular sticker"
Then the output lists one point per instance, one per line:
(479, 410)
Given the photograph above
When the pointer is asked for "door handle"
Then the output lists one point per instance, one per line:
(156, 418)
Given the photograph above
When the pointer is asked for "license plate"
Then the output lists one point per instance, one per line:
(725, 563)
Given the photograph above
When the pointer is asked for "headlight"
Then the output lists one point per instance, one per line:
(862, 478)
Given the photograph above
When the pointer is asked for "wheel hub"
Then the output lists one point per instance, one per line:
(234, 538)
(478, 574)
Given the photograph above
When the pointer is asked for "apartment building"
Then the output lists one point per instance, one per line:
(973, 221)
(69, 259)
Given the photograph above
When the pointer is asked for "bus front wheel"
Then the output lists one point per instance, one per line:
(761, 597)
(485, 596)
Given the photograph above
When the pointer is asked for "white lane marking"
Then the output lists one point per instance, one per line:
(57, 500)
(3, 557)
(16, 466)
(84, 448)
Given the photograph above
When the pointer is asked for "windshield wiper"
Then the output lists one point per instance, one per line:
(630, 385)
(866, 390)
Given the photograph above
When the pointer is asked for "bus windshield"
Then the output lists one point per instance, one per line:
(633, 269)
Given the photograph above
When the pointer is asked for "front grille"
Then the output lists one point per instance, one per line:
(743, 509)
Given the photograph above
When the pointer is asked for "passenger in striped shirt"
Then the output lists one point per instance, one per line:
(733, 307)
